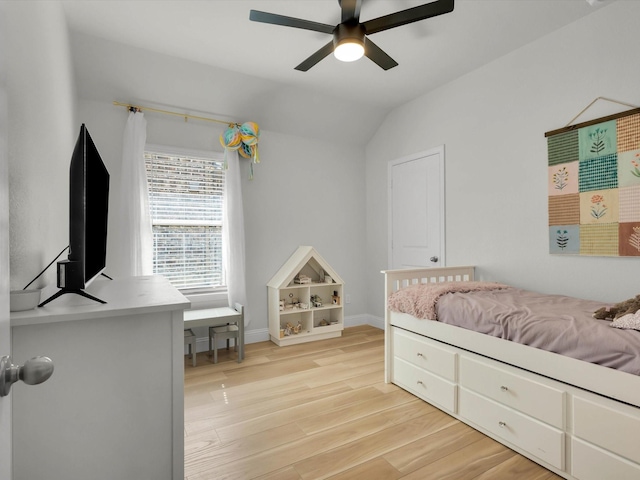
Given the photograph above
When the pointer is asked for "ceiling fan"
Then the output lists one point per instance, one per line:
(350, 36)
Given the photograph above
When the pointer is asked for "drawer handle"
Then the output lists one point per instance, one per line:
(420, 382)
(420, 354)
(504, 388)
(502, 424)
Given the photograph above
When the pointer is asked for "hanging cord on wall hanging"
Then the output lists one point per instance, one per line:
(242, 137)
(599, 98)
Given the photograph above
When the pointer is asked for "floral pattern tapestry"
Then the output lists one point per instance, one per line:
(594, 187)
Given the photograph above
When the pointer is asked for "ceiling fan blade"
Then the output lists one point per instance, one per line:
(350, 10)
(377, 55)
(410, 15)
(316, 57)
(275, 19)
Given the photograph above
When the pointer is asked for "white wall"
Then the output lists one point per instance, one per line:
(36, 141)
(305, 192)
(492, 123)
(5, 343)
(42, 133)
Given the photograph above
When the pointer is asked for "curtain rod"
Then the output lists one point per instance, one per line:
(186, 116)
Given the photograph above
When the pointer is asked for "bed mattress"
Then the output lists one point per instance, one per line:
(559, 324)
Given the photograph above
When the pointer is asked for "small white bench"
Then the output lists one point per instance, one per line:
(216, 317)
(225, 332)
(190, 339)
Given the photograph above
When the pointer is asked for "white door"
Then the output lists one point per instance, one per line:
(5, 342)
(416, 210)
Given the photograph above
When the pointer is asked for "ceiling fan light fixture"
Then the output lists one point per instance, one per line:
(349, 50)
(348, 42)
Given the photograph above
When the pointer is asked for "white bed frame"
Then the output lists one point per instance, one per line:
(593, 412)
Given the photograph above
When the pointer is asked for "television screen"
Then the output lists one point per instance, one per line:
(96, 212)
(88, 214)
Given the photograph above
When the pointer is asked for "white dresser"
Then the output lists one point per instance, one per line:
(114, 406)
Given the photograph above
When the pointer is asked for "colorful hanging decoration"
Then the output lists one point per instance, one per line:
(594, 187)
(243, 138)
(250, 133)
(230, 139)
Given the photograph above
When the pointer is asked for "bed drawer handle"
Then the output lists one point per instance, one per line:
(419, 354)
(504, 388)
(420, 382)
(502, 424)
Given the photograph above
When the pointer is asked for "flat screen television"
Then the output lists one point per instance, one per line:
(88, 215)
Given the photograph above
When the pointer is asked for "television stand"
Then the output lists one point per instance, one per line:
(62, 291)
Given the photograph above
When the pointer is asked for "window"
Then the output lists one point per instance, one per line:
(186, 200)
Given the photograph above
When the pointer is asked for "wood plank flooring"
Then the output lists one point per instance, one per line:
(322, 410)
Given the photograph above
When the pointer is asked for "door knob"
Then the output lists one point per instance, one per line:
(33, 372)
(434, 259)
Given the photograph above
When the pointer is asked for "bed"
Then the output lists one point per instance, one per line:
(575, 411)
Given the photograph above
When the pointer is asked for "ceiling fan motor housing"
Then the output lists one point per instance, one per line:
(350, 32)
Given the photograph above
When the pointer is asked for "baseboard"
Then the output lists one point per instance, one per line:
(262, 334)
(364, 319)
(255, 336)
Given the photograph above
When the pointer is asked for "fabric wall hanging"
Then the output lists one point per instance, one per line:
(594, 187)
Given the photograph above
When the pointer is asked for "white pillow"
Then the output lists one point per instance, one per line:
(628, 321)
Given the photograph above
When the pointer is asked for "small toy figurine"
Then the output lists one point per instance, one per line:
(316, 301)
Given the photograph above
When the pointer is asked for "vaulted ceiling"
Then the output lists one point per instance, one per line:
(258, 59)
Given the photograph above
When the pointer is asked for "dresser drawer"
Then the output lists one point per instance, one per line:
(592, 463)
(528, 396)
(610, 429)
(425, 385)
(537, 438)
(425, 353)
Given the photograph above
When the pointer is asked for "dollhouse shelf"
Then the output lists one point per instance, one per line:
(292, 304)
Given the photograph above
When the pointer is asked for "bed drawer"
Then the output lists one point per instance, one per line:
(613, 430)
(592, 463)
(526, 395)
(424, 353)
(425, 385)
(537, 438)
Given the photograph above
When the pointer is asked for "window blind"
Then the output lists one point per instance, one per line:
(186, 201)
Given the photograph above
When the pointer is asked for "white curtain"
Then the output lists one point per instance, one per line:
(136, 237)
(233, 234)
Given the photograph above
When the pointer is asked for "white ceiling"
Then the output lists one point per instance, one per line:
(430, 53)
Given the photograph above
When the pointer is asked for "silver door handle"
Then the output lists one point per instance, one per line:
(434, 259)
(33, 372)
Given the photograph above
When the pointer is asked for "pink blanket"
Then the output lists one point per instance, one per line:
(420, 300)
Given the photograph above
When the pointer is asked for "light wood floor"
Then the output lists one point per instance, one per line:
(322, 410)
